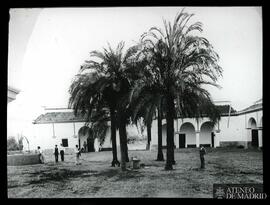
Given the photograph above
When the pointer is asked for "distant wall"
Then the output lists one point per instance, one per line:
(22, 159)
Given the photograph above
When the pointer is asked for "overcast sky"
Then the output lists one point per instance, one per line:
(47, 47)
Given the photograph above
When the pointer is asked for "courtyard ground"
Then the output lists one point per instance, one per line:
(95, 178)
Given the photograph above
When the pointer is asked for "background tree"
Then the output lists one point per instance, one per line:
(12, 144)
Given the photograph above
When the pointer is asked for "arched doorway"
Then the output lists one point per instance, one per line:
(207, 135)
(86, 139)
(252, 125)
(187, 136)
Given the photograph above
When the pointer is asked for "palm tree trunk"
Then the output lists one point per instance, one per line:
(148, 136)
(123, 143)
(160, 156)
(113, 137)
(126, 146)
(170, 133)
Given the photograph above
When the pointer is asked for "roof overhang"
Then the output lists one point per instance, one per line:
(12, 92)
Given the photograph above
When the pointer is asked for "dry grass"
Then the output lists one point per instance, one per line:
(95, 178)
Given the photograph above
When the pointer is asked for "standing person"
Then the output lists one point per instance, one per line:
(62, 153)
(56, 153)
(41, 158)
(202, 153)
(78, 154)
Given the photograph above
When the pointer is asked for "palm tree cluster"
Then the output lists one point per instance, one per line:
(162, 76)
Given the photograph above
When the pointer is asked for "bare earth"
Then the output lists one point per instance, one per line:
(95, 178)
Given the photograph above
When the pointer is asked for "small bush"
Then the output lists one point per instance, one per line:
(12, 144)
(132, 139)
(240, 147)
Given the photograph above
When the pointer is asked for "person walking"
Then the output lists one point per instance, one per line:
(78, 154)
(62, 152)
(202, 153)
(56, 153)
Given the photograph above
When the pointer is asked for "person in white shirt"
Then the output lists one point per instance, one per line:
(41, 157)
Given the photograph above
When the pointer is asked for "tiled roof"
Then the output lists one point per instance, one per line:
(60, 117)
(54, 117)
(252, 107)
(225, 109)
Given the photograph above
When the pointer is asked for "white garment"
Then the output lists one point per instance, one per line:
(77, 157)
(61, 148)
(96, 145)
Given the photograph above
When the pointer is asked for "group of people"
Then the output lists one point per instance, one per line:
(78, 154)
(60, 151)
(56, 153)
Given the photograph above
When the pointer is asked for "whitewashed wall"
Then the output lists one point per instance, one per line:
(234, 131)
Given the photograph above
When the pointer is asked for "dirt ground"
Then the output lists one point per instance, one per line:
(95, 178)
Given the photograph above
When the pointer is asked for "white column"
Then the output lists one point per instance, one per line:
(216, 139)
(197, 138)
(260, 138)
(154, 135)
(248, 137)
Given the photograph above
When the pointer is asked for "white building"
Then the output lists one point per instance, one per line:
(235, 128)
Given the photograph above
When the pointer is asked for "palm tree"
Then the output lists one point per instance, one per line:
(86, 96)
(103, 82)
(179, 65)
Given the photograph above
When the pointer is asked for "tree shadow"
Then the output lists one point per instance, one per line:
(61, 175)
(118, 174)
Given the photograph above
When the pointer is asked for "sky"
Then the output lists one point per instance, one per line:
(47, 47)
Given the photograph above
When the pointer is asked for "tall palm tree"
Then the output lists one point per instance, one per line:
(103, 82)
(88, 94)
(180, 63)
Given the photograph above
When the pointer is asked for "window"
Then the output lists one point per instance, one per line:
(65, 142)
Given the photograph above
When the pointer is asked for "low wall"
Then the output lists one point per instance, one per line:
(22, 159)
(15, 152)
(51, 151)
(232, 143)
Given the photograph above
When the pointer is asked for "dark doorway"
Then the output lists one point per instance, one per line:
(65, 142)
(182, 140)
(212, 139)
(90, 144)
(254, 138)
